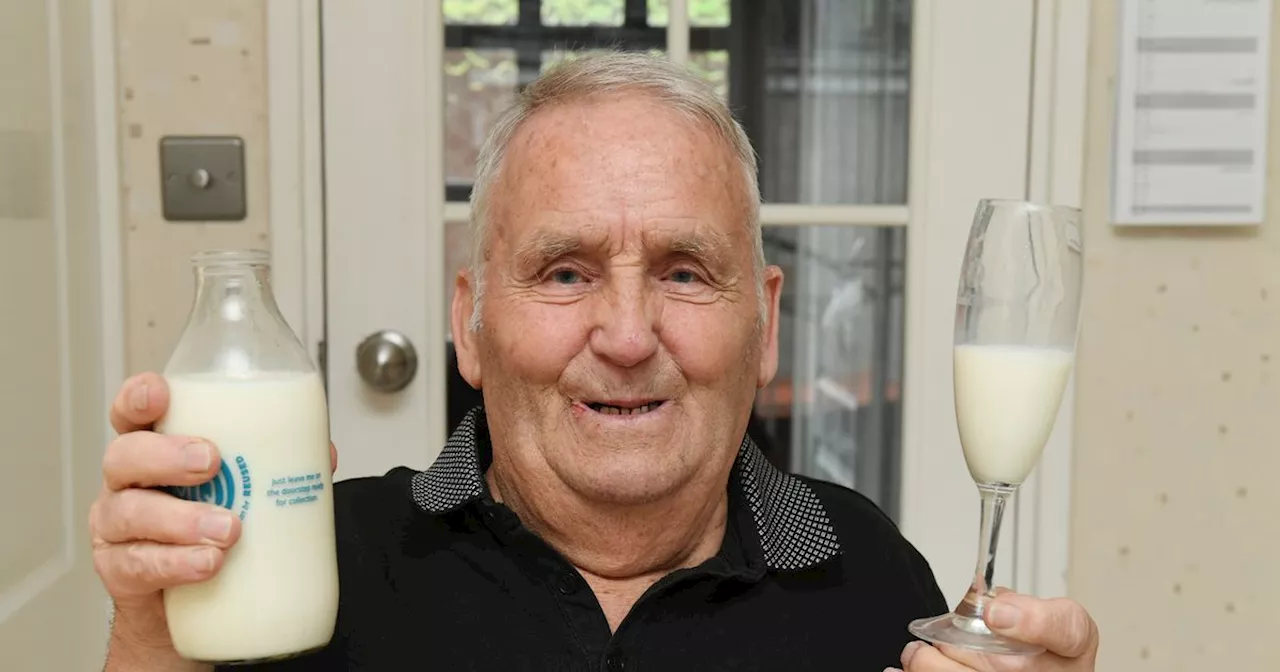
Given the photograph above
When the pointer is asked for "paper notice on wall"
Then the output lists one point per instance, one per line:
(1191, 121)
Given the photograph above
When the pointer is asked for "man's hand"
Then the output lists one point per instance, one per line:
(145, 540)
(1061, 626)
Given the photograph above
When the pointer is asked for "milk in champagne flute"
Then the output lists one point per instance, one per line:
(1007, 398)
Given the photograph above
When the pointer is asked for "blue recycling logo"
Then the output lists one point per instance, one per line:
(222, 490)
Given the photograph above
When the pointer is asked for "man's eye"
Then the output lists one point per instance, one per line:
(565, 276)
(683, 277)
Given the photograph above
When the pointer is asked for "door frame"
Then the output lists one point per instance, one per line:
(110, 238)
(1058, 134)
(295, 160)
(944, 185)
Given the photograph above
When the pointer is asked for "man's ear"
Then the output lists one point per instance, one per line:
(769, 330)
(464, 339)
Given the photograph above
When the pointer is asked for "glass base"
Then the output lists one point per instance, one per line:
(969, 632)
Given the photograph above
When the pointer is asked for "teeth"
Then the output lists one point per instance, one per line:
(616, 410)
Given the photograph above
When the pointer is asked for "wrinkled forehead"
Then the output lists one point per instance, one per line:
(623, 161)
(546, 240)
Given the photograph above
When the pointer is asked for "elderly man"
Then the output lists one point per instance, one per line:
(605, 510)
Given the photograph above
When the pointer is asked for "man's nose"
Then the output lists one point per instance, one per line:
(626, 329)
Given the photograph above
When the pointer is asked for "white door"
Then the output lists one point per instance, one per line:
(53, 613)
(879, 124)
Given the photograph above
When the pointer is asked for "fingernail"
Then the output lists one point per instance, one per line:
(197, 456)
(202, 559)
(138, 398)
(892, 669)
(1003, 616)
(216, 525)
(910, 652)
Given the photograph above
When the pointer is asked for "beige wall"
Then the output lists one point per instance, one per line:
(1176, 513)
(185, 67)
(1174, 510)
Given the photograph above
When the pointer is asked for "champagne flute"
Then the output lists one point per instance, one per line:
(1017, 311)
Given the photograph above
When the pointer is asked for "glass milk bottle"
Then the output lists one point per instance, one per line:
(239, 378)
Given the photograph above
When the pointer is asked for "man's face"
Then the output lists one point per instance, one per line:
(621, 340)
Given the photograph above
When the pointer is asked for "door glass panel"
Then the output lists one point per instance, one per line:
(834, 410)
(478, 84)
(495, 47)
(822, 87)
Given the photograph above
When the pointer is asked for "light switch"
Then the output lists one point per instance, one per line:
(202, 178)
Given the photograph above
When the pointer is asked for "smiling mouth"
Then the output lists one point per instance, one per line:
(624, 408)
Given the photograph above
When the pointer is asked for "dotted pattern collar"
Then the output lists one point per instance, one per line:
(794, 528)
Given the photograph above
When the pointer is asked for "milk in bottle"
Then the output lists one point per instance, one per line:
(239, 378)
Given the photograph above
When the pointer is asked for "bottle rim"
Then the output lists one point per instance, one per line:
(219, 257)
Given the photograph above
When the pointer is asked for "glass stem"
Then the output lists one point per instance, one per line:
(980, 592)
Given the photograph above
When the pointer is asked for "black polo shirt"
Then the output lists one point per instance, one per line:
(437, 576)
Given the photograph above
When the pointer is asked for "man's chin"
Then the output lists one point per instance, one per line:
(618, 485)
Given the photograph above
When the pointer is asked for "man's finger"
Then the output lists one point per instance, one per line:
(142, 568)
(147, 459)
(333, 458)
(1060, 625)
(920, 657)
(151, 515)
(141, 401)
(980, 661)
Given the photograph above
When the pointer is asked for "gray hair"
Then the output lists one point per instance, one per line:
(581, 77)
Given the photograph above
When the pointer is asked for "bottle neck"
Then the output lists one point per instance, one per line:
(235, 327)
(232, 294)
